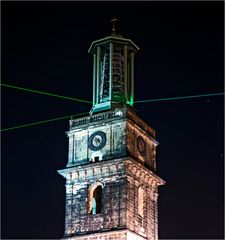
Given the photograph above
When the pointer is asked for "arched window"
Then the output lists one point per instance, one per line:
(141, 201)
(95, 199)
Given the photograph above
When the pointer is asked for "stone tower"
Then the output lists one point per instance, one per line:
(111, 184)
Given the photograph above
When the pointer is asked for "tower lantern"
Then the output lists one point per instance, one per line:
(113, 71)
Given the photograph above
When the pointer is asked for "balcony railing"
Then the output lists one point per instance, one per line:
(100, 117)
(119, 113)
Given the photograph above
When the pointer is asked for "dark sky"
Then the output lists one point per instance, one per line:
(44, 47)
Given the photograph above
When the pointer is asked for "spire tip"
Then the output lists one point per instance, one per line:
(113, 20)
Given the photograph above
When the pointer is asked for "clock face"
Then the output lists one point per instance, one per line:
(97, 141)
(141, 145)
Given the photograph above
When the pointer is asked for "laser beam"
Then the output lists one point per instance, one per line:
(45, 93)
(41, 122)
(177, 98)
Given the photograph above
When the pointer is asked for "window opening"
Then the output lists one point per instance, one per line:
(96, 159)
(141, 201)
(96, 201)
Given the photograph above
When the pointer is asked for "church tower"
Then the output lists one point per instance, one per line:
(111, 181)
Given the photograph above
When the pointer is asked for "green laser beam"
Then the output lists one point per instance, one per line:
(85, 101)
(41, 122)
(177, 98)
(55, 119)
(45, 93)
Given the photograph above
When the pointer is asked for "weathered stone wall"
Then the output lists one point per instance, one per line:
(121, 140)
(132, 133)
(145, 225)
(121, 169)
(120, 179)
(79, 180)
(80, 153)
(113, 235)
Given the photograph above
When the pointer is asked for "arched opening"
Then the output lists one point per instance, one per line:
(96, 200)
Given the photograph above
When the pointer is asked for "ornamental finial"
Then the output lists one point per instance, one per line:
(113, 20)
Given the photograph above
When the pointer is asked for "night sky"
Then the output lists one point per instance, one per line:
(45, 47)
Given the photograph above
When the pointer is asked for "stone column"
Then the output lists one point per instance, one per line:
(110, 70)
(132, 79)
(94, 79)
(125, 72)
(98, 73)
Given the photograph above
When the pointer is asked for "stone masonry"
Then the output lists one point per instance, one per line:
(121, 179)
(121, 170)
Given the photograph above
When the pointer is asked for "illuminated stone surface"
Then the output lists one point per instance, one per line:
(111, 185)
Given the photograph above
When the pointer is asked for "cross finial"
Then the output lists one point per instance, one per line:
(113, 20)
